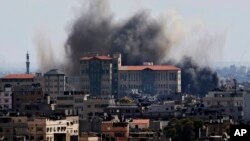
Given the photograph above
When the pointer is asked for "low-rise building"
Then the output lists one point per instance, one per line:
(13, 128)
(78, 103)
(226, 103)
(118, 131)
(127, 110)
(57, 129)
(139, 123)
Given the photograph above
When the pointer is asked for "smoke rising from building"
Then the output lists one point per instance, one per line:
(142, 38)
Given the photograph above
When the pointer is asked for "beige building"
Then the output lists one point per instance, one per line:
(149, 78)
(47, 129)
(54, 83)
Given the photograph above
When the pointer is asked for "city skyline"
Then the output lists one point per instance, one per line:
(21, 25)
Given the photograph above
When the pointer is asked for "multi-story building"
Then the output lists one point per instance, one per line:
(98, 74)
(226, 103)
(71, 103)
(78, 103)
(104, 75)
(54, 83)
(26, 94)
(48, 129)
(17, 79)
(149, 78)
(6, 98)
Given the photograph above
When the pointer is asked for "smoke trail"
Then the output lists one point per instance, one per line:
(46, 59)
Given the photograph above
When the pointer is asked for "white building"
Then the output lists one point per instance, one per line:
(54, 83)
(54, 129)
(6, 98)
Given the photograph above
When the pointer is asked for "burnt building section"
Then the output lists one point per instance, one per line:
(98, 74)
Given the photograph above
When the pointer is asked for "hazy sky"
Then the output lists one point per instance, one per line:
(21, 21)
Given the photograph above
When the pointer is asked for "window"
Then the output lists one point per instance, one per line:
(172, 76)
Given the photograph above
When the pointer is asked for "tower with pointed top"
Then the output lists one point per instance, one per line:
(27, 63)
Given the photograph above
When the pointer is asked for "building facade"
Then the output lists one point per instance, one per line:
(104, 75)
(54, 83)
(226, 103)
(17, 80)
(117, 131)
(6, 98)
(13, 128)
(26, 94)
(54, 129)
(98, 74)
(78, 103)
(150, 79)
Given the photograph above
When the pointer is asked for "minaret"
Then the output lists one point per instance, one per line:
(27, 63)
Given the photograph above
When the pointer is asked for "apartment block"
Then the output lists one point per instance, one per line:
(17, 80)
(54, 83)
(98, 74)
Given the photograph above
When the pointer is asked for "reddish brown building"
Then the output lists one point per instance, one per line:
(115, 131)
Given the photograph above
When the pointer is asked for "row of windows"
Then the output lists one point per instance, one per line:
(5, 100)
(58, 129)
(138, 76)
(126, 87)
(54, 80)
(17, 80)
(5, 94)
(55, 86)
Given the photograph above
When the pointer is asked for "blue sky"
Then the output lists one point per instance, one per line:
(22, 20)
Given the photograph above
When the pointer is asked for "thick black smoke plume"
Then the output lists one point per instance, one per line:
(196, 80)
(139, 38)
